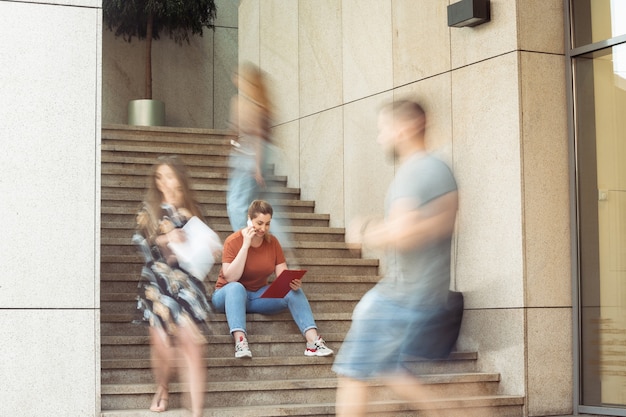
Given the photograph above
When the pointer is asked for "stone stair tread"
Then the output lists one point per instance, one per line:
(327, 409)
(117, 225)
(110, 188)
(217, 148)
(163, 133)
(383, 407)
(322, 278)
(135, 198)
(271, 361)
(304, 244)
(314, 296)
(121, 169)
(215, 339)
(149, 161)
(290, 384)
(120, 259)
(114, 209)
(283, 316)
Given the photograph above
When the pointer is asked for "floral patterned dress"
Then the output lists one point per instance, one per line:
(169, 296)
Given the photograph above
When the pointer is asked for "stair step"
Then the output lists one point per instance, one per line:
(500, 405)
(295, 391)
(274, 357)
(126, 282)
(202, 192)
(165, 134)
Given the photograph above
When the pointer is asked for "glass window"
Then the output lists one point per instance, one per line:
(597, 20)
(600, 108)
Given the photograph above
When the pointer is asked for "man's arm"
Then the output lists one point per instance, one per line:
(409, 228)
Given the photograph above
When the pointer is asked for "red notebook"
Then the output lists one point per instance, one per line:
(280, 286)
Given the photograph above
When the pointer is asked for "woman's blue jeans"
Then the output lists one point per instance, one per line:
(242, 189)
(234, 300)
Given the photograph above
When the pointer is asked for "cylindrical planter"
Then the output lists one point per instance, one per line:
(146, 113)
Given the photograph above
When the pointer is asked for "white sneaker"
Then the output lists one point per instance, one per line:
(241, 348)
(318, 348)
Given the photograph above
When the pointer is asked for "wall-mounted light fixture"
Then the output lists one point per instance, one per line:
(468, 13)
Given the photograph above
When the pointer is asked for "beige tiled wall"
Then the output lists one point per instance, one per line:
(546, 199)
(420, 50)
(366, 53)
(194, 80)
(278, 44)
(486, 148)
(50, 188)
(320, 55)
(496, 101)
(322, 158)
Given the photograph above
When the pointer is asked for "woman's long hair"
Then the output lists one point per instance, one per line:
(255, 89)
(154, 197)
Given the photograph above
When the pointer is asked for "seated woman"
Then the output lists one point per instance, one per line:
(250, 256)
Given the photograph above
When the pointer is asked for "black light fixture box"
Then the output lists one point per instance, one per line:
(468, 13)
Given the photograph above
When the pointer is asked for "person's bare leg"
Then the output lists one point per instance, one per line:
(351, 397)
(311, 335)
(409, 388)
(161, 355)
(196, 369)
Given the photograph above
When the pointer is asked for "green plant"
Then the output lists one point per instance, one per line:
(148, 19)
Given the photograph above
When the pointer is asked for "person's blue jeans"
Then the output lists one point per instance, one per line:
(234, 300)
(378, 321)
(242, 189)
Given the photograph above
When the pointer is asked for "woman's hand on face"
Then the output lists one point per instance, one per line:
(296, 284)
(248, 233)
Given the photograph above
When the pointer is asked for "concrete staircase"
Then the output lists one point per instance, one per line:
(279, 380)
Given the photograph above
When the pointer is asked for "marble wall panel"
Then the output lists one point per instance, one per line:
(227, 14)
(50, 363)
(367, 170)
(545, 147)
(50, 182)
(182, 77)
(487, 164)
(78, 3)
(122, 77)
(541, 26)
(321, 162)
(249, 35)
(286, 153)
(279, 55)
(549, 367)
(498, 337)
(225, 62)
(421, 40)
(367, 51)
(496, 37)
(320, 55)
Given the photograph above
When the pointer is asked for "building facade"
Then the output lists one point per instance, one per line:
(525, 108)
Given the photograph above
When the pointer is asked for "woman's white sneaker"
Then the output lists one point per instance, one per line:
(241, 348)
(318, 348)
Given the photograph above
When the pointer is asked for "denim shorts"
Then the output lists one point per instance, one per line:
(380, 330)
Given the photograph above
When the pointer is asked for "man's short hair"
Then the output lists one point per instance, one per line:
(405, 109)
